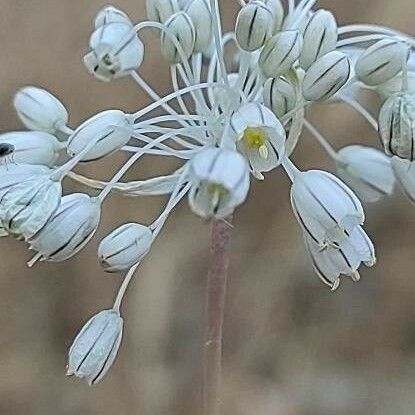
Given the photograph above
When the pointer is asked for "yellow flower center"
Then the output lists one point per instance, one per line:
(256, 138)
(216, 189)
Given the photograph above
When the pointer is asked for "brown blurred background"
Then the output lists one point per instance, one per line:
(291, 346)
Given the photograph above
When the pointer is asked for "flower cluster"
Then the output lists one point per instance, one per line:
(238, 123)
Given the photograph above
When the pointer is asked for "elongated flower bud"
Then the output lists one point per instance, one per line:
(39, 110)
(124, 247)
(326, 76)
(181, 27)
(111, 14)
(69, 229)
(116, 50)
(397, 125)
(381, 62)
(33, 147)
(254, 25)
(279, 96)
(201, 16)
(320, 37)
(110, 129)
(277, 10)
(367, 171)
(280, 52)
(95, 347)
(220, 182)
(161, 10)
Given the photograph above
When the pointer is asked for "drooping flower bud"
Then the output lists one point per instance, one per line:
(70, 228)
(405, 176)
(161, 10)
(201, 16)
(111, 14)
(367, 171)
(320, 37)
(116, 50)
(39, 110)
(254, 25)
(95, 347)
(279, 96)
(220, 182)
(325, 207)
(124, 247)
(26, 207)
(397, 125)
(277, 10)
(259, 136)
(381, 62)
(110, 129)
(326, 76)
(33, 147)
(181, 28)
(280, 52)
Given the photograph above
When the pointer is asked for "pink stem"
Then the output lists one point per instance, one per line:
(215, 306)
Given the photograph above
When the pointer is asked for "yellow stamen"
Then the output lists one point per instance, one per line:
(256, 138)
(263, 152)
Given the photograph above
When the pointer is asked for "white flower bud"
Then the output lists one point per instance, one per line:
(110, 129)
(69, 229)
(279, 96)
(394, 86)
(110, 14)
(320, 37)
(280, 53)
(33, 147)
(201, 16)
(254, 25)
(397, 125)
(39, 110)
(325, 207)
(405, 175)
(259, 136)
(161, 10)
(326, 76)
(95, 347)
(367, 171)
(116, 51)
(26, 207)
(277, 10)
(220, 182)
(381, 62)
(180, 26)
(124, 247)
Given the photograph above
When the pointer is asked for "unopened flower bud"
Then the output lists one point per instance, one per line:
(39, 110)
(109, 129)
(280, 52)
(254, 25)
(326, 76)
(179, 26)
(111, 14)
(277, 10)
(279, 96)
(381, 62)
(124, 247)
(201, 16)
(116, 51)
(69, 229)
(405, 176)
(95, 347)
(320, 37)
(397, 125)
(161, 10)
(33, 147)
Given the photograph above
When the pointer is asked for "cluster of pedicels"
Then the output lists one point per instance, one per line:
(227, 122)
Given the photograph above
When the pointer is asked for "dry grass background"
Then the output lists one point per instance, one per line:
(291, 346)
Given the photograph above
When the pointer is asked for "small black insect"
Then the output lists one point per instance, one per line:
(6, 152)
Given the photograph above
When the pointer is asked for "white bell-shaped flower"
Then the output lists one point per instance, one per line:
(39, 110)
(69, 229)
(220, 180)
(33, 147)
(367, 171)
(325, 207)
(95, 347)
(124, 247)
(201, 16)
(405, 175)
(332, 262)
(111, 14)
(259, 136)
(110, 130)
(116, 50)
(26, 207)
(161, 10)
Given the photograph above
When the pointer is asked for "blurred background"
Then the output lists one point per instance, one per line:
(291, 346)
